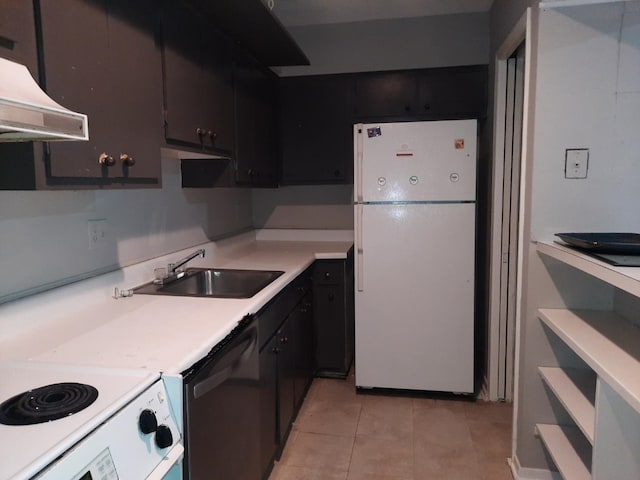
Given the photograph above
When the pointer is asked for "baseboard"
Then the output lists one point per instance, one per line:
(520, 473)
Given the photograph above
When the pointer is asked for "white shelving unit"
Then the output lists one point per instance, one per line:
(604, 401)
(568, 449)
(576, 390)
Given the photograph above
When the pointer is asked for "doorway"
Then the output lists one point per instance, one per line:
(508, 134)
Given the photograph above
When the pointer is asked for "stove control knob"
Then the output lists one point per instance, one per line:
(147, 421)
(164, 438)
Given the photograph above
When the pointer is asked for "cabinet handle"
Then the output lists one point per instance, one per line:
(284, 339)
(427, 106)
(275, 350)
(407, 108)
(106, 160)
(303, 310)
(336, 173)
(212, 135)
(127, 159)
(331, 297)
(200, 132)
(327, 274)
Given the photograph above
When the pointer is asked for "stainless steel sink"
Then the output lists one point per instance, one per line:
(214, 283)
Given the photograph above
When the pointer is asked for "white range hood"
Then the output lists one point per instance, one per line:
(27, 113)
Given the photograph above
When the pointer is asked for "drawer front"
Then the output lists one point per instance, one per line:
(273, 314)
(329, 273)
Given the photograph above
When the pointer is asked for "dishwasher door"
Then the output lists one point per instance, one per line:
(222, 411)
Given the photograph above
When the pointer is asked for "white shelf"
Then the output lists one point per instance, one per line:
(568, 447)
(609, 344)
(624, 278)
(576, 390)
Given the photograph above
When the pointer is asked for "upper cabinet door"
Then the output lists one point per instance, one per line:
(456, 92)
(256, 134)
(102, 59)
(316, 129)
(18, 34)
(385, 94)
(198, 81)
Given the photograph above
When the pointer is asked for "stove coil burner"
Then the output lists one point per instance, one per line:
(47, 403)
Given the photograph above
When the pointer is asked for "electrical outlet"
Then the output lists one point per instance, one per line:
(576, 162)
(97, 233)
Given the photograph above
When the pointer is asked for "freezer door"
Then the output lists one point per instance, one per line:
(414, 299)
(415, 161)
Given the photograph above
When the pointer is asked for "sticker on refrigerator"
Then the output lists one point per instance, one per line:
(374, 132)
(459, 143)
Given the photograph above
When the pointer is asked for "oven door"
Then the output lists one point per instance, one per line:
(222, 410)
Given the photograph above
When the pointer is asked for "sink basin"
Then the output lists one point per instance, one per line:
(214, 283)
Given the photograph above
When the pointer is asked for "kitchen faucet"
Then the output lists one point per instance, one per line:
(172, 272)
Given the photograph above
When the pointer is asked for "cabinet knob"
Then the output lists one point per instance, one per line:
(284, 339)
(327, 275)
(275, 350)
(407, 108)
(127, 159)
(331, 297)
(200, 132)
(336, 173)
(427, 106)
(212, 135)
(106, 160)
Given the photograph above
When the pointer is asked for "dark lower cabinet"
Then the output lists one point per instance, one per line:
(333, 311)
(286, 364)
(269, 438)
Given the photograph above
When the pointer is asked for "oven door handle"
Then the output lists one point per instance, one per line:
(211, 382)
(172, 458)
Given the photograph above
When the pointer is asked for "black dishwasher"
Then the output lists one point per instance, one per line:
(222, 409)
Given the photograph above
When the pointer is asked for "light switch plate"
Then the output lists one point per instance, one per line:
(576, 162)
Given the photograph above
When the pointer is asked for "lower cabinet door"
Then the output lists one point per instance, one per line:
(304, 351)
(268, 404)
(286, 375)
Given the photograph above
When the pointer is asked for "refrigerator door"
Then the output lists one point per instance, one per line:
(414, 296)
(415, 161)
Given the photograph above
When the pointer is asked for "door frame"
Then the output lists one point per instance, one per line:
(497, 350)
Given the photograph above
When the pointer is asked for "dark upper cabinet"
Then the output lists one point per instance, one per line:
(101, 58)
(18, 34)
(315, 130)
(18, 43)
(426, 94)
(198, 82)
(383, 94)
(455, 92)
(256, 162)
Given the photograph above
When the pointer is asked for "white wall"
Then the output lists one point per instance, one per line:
(44, 237)
(396, 44)
(318, 207)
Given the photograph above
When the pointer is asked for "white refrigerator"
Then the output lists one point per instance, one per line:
(415, 229)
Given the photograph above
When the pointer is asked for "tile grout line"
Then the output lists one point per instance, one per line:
(353, 444)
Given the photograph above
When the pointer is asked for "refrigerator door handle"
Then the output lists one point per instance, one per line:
(359, 250)
(359, 154)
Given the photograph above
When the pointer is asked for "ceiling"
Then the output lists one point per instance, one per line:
(315, 12)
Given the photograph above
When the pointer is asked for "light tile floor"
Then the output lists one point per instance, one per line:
(340, 435)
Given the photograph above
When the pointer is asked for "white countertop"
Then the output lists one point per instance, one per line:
(83, 323)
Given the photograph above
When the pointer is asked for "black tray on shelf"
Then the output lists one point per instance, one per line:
(611, 243)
